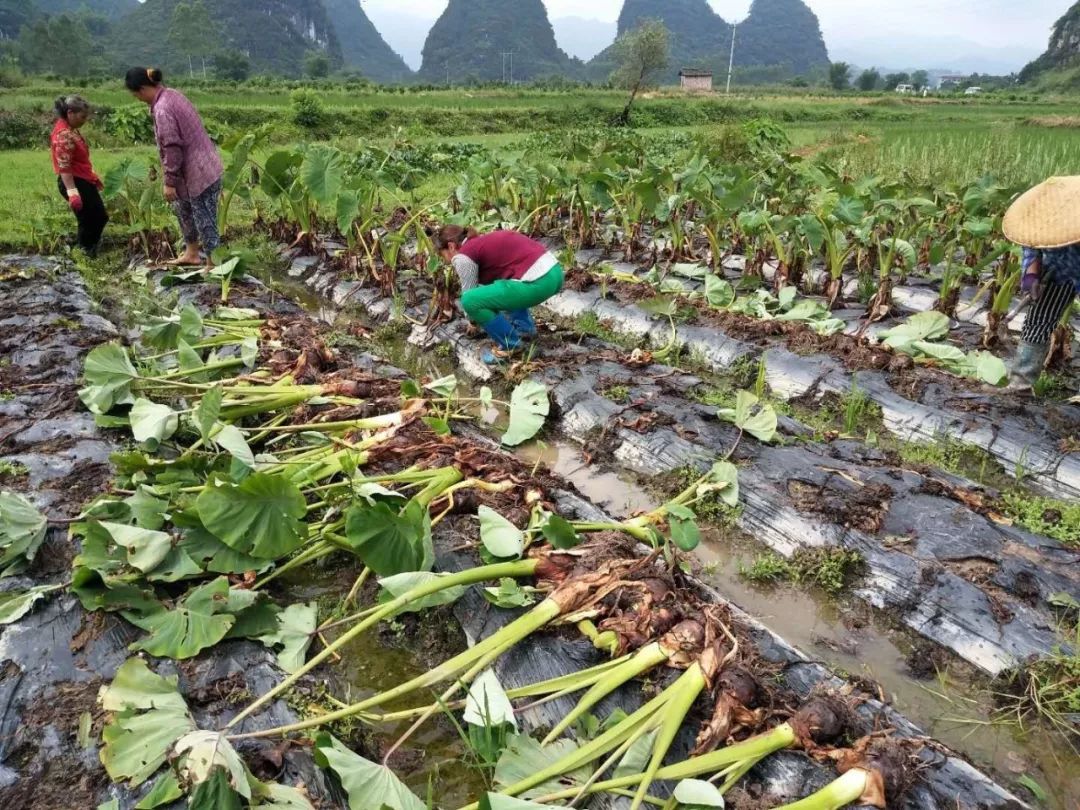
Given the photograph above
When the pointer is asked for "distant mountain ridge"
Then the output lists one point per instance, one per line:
(1064, 48)
(113, 9)
(774, 33)
(276, 35)
(362, 46)
(487, 39)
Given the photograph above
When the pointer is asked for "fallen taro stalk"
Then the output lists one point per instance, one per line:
(657, 723)
(572, 596)
(819, 722)
(550, 565)
(873, 774)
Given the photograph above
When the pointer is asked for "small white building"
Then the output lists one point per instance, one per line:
(696, 81)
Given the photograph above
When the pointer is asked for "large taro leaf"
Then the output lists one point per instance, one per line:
(214, 556)
(230, 439)
(152, 423)
(199, 620)
(487, 703)
(751, 416)
(261, 516)
(529, 408)
(988, 367)
(216, 793)
(719, 292)
(388, 541)
(295, 631)
(16, 604)
(165, 790)
(400, 584)
(22, 531)
(150, 717)
(698, 793)
(500, 537)
(135, 686)
(146, 549)
(322, 173)
(109, 374)
(524, 757)
(724, 480)
(202, 753)
(166, 334)
(684, 529)
(368, 785)
(207, 411)
(921, 326)
(283, 797)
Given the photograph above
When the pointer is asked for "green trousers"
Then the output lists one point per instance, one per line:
(483, 303)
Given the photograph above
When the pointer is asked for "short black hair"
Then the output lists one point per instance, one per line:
(140, 77)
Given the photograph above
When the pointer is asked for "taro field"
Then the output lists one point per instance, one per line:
(754, 521)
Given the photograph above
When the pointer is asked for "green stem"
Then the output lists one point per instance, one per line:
(686, 691)
(643, 660)
(521, 568)
(489, 648)
(846, 790)
(754, 749)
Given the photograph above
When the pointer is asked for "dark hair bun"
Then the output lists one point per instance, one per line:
(60, 107)
(155, 75)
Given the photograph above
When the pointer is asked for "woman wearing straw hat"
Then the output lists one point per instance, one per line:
(1046, 222)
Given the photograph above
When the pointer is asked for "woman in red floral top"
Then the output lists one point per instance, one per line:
(78, 183)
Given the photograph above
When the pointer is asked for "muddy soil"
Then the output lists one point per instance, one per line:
(878, 511)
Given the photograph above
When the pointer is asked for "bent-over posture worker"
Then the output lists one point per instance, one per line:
(76, 179)
(503, 275)
(1046, 222)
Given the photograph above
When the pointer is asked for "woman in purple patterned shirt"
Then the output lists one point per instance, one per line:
(189, 160)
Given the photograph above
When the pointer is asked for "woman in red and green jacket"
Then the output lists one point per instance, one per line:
(503, 275)
(78, 183)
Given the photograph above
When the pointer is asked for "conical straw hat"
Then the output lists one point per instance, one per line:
(1047, 216)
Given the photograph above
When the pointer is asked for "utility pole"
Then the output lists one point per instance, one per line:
(447, 72)
(731, 59)
(506, 54)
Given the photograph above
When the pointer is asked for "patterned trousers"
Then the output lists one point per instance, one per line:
(1046, 313)
(198, 219)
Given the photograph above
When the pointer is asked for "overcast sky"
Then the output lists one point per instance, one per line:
(1016, 30)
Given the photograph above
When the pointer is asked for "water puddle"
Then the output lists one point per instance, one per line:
(377, 662)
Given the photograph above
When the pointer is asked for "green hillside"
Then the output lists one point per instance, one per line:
(469, 39)
(362, 46)
(13, 15)
(275, 34)
(1057, 67)
(112, 9)
(782, 33)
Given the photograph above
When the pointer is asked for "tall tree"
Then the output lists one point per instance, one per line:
(894, 80)
(920, 78)
(640, 56)
(840, 76)
(192, 32)
(60, 45)
(317, 65)
(868, 80)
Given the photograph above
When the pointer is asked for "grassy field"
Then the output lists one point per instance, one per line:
(923, 140)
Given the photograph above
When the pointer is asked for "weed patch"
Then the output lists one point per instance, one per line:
(1046, 516)
(830, 569)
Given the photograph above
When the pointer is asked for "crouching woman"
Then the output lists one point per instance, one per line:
(503, 275)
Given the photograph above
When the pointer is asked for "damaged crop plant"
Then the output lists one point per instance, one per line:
(254, 456)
